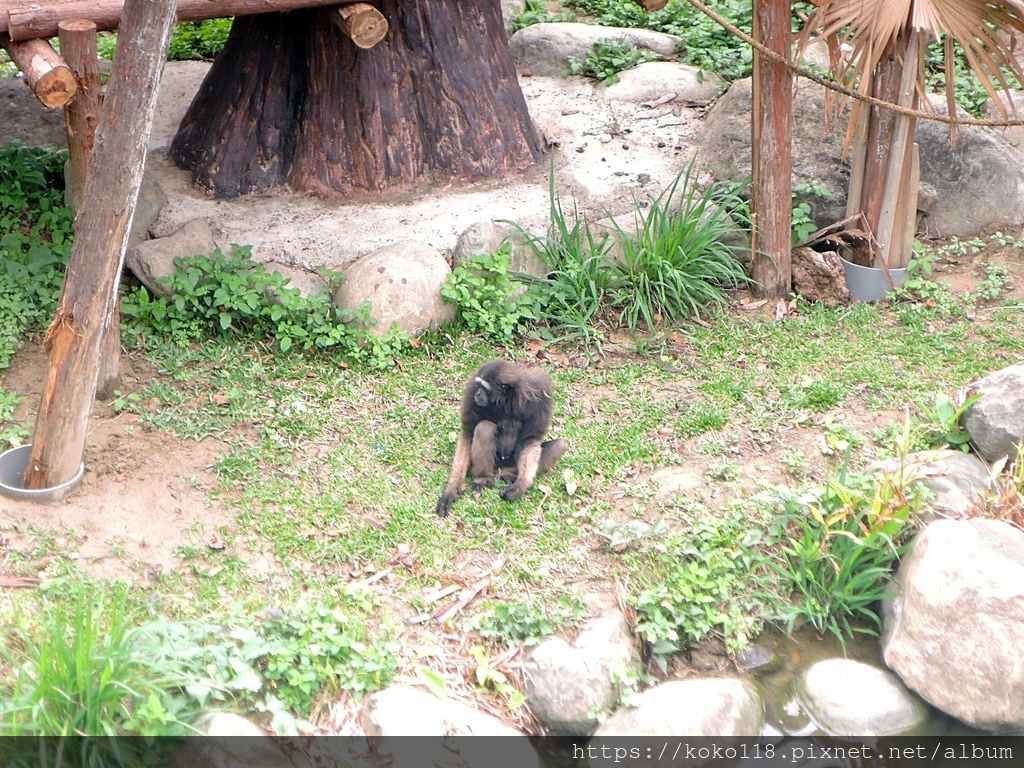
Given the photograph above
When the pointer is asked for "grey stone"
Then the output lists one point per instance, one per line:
(227, 740)
(956, 480)
(510, 11)
(152, 260)
(402, 282)
(850, 698)
(570, 687)
(654, 79)
(710, 706)
(147, 208)
(966, 189)
(26, 120)
(996, 421)
(488, 236)
(545, 49)
(954, 623)
(1013, 103)
(403, 711)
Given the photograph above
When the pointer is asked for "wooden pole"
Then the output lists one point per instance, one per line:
(45, 71)
(364, 24)
(28, 19)
(82, 114)
(771, 160)
(89, 295)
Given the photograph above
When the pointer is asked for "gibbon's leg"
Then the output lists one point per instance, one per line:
(550, 452)
(526, 471)
(482, 455)
(459, 468)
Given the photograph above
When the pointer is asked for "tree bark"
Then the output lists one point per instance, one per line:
(291, 99)
(772, 187)
(82, 113)
(45, 71)
(28, 20)
(101, 233)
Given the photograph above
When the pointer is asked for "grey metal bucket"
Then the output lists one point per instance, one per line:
(870, 283)
(12, 470)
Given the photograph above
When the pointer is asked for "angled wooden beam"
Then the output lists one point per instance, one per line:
(46, 73)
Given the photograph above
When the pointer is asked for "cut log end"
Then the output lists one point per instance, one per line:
(652, 5)
(364, 24)
(56, 88)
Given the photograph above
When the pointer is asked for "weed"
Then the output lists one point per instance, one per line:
(704, 585)
(701, 418)
(198, 40)
(942, 426)
(489, 301)
(535, 12)
(839, 546)
(678, 263)
(997, 279)
(607, 58)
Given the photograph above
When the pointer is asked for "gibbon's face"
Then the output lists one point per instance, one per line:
(491, 390)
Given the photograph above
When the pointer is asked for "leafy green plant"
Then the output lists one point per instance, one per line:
(607, 58)
(198, 40)
(526, 622)
(838, 549)
(35, 240)
(222, 294)
(535, 12)
(489, 301)
(678, 262)
(942, 425)
(997, 278)
(705, 584)
(489, 678)
(701, 418)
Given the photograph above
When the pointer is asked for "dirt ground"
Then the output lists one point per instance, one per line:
(142, 497)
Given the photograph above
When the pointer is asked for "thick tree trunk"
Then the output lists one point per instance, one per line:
(101, 234)
(292, 99)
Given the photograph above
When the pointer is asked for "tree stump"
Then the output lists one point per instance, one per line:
(292, 100)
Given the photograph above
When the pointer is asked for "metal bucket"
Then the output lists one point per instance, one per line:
(870, 283)
(12, 471)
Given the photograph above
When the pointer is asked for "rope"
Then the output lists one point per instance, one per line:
(839, 87)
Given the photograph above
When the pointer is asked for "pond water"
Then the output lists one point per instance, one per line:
(785, 716)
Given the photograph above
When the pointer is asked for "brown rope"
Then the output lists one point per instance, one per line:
(839, 87)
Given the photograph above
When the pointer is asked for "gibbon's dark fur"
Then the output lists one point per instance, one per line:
(506, 410)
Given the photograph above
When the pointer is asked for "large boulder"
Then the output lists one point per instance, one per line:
(654, 80)
(545, 49)
(153, 260)
(403, 283)
(571, 686)
(488, 236)
(851, 698)
(954, 625)
(710, 706)
(965, 189)
(957, 481)
(996, 421)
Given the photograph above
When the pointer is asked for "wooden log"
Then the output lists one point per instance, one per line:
(45, 71)
(24, 20)
(363, 23)
(771, 166)
(94, 267)
(82, 114)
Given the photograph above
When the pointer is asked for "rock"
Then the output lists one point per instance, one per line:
(954, 624)
(850, 698)
(757, 658)
(545, 49)
(402, 282)
(510, 12)
(1014, 105)
(26, 120)
(570, 687)
(819, 277)
(653, 79)
(709, 706)
(151, 201)
(232, 742)
(403, 711)
(955, 479)
(965, 190)
(488, 236)
(154, 259)
(996, 421)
